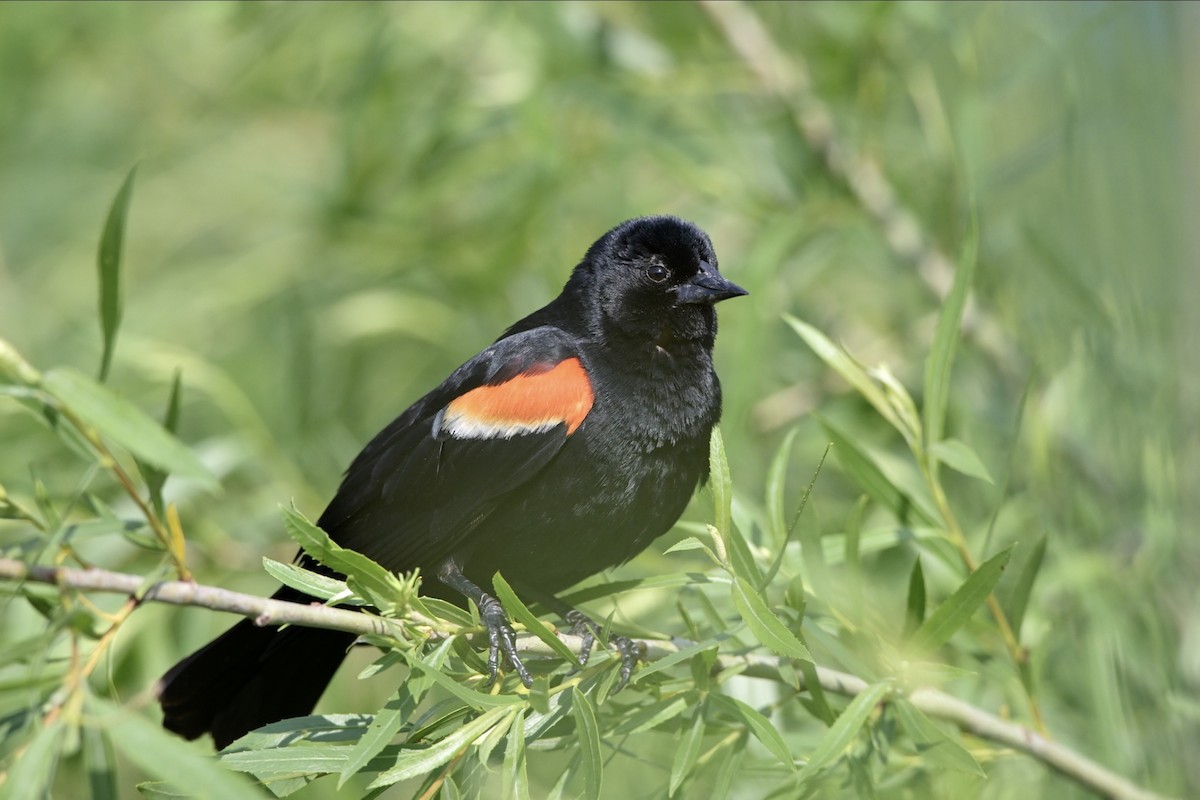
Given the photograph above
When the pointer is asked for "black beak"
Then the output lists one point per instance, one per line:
(707, 287)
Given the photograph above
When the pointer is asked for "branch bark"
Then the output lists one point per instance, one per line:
(265, 611)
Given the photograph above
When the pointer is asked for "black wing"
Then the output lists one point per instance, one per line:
(434, 474)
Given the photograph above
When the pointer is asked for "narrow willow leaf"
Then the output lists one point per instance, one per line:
(161, 790)
(476, 700)
(519, 611)
(863, 471)
(812, 551)
(311, 583)
(741, 560)
(382, 730)
(902, 405)
(851, 371)
(773, 570)
(420, 760)
(914, 613)
(155, 477)
(683, 654)
(945, 340)
(722, 787)
(687, 752)
(934, 744)
(108, 262)
(515, 776)
(820, 705)
(720, 482)
(763, 623)
(844, 731)
(100, 763)
(164, 757)
(30, 776)
(376, 584)
(588, 732)
(960, 606)
(958, 456)
(1018, 601)
(690, 543)
(651, 716)
(776, 487)
(283, 761)
(758, 725)
(449, 790)
(122, 422)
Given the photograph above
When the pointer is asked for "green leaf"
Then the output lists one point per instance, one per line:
(161, 790)
(476, 700)
(516, 777)
(683, 654)
(844, 731)
(934, 744)
(108, 262)
(687, 752)
(758, 725)
(100, 763)
(1018, 601)
(588, 732)
(960, 606)
(776, 486)
(763, 623)
(958, 456)
(728, 771)
(773, 570)
(651, 716)
(311, 583)
(519, 611)
(869, 477)
(416, 761)
(30, 776)
(720, 482)
(117, 419)
(850, 370)
(819, 704)
(168, 758)
(364, 577)
(945, 340)
(741, 559)
(386, 724)
(155, 477)
(915, 607)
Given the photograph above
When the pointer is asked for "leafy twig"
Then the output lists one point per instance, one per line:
(265, 611)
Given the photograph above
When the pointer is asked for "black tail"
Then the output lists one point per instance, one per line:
(250, 676)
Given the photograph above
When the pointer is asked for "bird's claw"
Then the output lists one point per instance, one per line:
(631, 652)
(501, 639)
(585, 627)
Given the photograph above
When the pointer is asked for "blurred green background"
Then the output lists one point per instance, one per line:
(337, 204)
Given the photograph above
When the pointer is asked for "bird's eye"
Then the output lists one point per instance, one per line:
(657, 273)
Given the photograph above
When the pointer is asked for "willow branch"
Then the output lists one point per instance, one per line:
(265, 611)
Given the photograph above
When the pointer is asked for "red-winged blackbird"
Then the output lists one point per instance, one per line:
(562, 449)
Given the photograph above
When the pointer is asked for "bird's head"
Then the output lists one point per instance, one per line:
(655, 278)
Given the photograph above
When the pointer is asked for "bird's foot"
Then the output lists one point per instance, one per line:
(501, 639)
(585, 627)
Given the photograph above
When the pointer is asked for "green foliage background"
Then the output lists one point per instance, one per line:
(337, 204)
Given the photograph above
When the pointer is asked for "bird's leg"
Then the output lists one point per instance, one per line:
(501, 636)
(586, 629)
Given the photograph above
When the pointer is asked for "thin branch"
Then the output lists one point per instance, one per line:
(265, 611)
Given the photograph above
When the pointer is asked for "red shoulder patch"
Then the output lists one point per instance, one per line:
(535, 400)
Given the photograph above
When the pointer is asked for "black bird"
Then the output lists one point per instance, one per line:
(564, 448)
